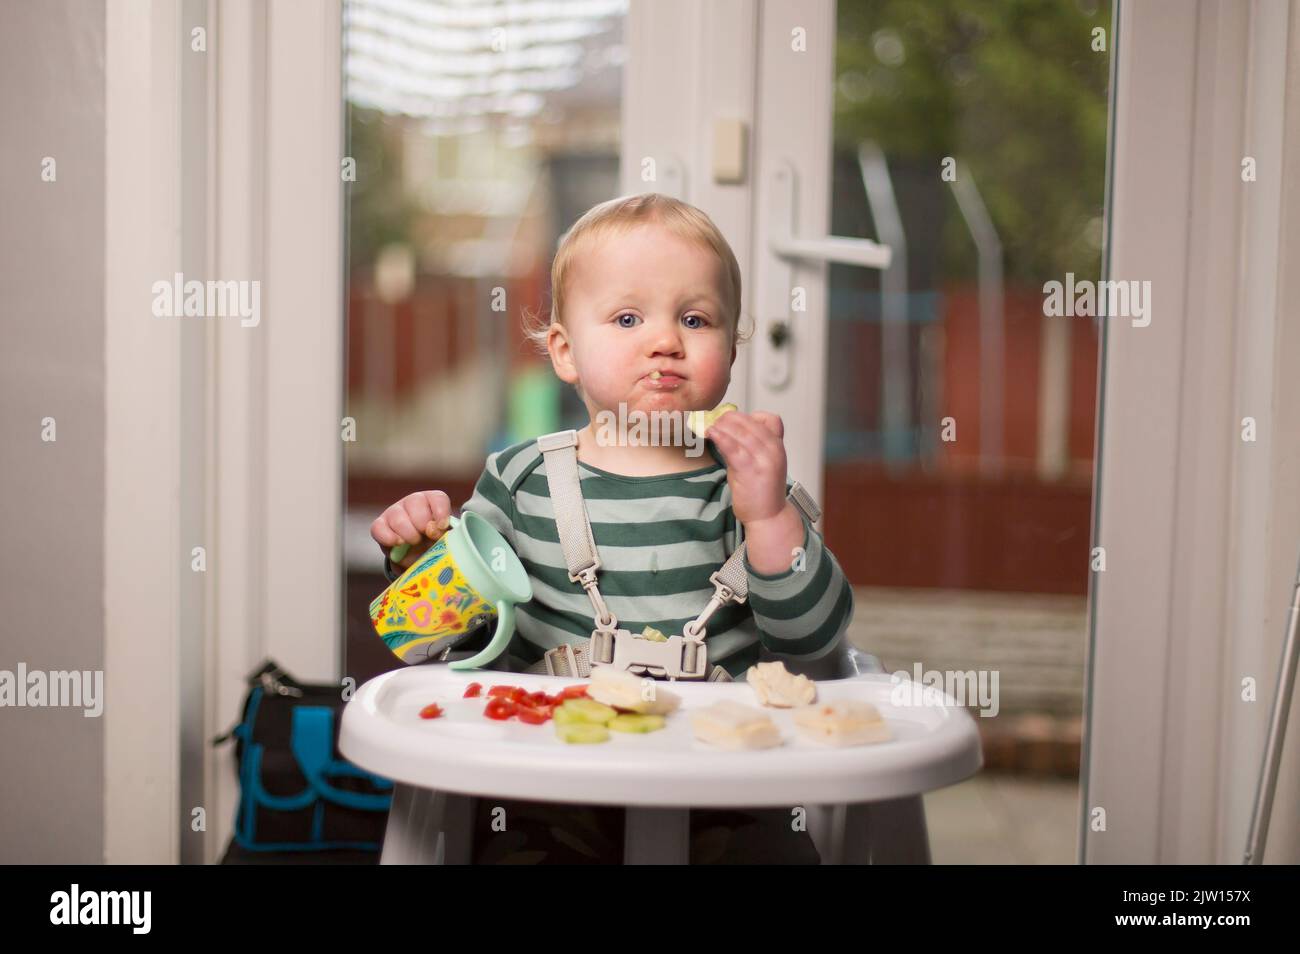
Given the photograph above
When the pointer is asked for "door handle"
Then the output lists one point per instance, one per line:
(786, 247)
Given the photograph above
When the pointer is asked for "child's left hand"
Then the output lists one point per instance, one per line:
(755, 453)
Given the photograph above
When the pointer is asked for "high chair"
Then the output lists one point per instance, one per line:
(435, 827)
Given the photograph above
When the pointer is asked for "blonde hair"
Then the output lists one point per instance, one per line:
(618, 216)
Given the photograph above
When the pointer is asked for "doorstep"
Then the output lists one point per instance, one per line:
(1032, 743)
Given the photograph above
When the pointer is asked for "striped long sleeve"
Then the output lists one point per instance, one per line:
(489, 501)
(805, 610)
(659, 540)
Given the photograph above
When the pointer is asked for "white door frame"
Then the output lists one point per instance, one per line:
(141, 436)
(1200, 528)
(691, 65)
(272, 497)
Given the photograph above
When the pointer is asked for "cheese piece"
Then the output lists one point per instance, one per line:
(777, 686)
(618, 687)
(701, 421)
(844, 722)
(731, 725)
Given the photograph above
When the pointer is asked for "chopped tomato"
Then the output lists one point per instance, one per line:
(500, 709)
(573, 692)
(536, 699)
(502, 692)
(431, 711)
(473, 690)
(532, 716)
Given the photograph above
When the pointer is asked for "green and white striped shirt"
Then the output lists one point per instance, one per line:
(659, 539)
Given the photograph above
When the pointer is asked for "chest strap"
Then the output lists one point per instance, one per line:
(730, 583)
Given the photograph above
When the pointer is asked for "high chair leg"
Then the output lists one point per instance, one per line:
(656, 836)
(890, 832)
(426, 827)
(825, 822)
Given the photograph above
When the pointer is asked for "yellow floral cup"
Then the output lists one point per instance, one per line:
(467, 578)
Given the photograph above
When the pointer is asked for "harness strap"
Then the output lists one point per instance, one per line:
(573, 526)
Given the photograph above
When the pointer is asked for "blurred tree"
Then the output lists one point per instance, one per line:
(1013, 90)
(380, 209)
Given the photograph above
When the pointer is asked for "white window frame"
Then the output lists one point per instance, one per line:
(272, 498)
(1200, 529)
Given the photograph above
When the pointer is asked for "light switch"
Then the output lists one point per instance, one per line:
(729, 151)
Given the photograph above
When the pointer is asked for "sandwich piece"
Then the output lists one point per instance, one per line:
(641, 694)
(844, 722)
(731, 725)
(777, 686)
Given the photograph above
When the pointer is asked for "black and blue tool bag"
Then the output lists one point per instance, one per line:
(296, 792)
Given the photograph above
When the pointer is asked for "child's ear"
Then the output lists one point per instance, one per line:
(557, 343)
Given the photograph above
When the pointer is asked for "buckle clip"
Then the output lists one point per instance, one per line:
(676, 658)
(563, 661)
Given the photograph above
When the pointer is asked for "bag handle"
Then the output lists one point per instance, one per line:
(312, 741)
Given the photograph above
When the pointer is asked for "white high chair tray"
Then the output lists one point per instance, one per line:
(463, 751)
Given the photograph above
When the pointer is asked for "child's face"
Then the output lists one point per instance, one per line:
(640, 302)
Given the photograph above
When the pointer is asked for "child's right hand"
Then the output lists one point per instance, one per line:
(418, 520)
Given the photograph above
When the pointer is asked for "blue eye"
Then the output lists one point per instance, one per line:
(701, 319)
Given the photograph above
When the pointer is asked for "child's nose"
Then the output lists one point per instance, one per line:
(666, 339)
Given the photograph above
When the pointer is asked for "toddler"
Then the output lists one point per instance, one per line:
(644, 320)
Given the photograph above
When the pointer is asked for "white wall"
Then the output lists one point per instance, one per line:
(52, 365)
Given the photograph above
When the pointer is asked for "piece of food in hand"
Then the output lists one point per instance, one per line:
(432, 530)
(636, 723)
(626, 690)
(844, 722)
(581, 733)
(653, 634)
(731, 725)
(701, 421)
(777, 686)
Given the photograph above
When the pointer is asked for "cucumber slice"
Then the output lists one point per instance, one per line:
(581, 733)
(636, 723)
(584, 710)
(563, 715)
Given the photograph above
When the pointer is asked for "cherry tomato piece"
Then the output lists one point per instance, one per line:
(473, 690)
(431, 711)
(532, 716)
(500, 709)
(502, 692)
(573, 692)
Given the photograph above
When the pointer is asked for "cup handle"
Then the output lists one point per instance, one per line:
(505, 630)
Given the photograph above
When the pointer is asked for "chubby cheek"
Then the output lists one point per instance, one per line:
(606, 370)
(609, 369)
